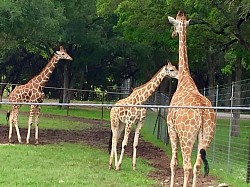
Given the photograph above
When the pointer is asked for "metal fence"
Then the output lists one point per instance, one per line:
(230, 149)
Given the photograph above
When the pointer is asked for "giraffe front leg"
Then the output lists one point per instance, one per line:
(32, 108)
(37, 112)
(135, 144)
(124, 144)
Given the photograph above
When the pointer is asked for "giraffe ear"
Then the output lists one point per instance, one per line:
(172, 20)
(187, 22)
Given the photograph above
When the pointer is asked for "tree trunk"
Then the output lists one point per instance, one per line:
(66, 84)
(228, 92)
(236, 100)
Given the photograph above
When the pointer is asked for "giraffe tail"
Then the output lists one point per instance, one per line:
(204, 159)
(110, 142)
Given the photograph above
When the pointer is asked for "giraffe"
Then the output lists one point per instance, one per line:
(186, 124)
(124, 117)
(32, 92)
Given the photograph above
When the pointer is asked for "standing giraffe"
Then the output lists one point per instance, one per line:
(186, 124)
(32, 92)
(124, 117)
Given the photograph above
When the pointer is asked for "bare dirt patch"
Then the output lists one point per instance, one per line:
(98, 136)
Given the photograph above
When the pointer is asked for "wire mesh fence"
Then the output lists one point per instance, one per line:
(230, 149)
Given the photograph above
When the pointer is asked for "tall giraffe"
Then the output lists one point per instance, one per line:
(186, 124)
(124, 117)
(32, 92)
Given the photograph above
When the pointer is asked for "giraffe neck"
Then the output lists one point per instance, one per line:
(143, 92)
(183, 58)
(185, 80)
(43, 77)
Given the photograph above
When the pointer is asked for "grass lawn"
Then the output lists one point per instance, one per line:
(65, 164)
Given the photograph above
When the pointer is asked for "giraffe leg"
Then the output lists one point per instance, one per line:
(117, 128)
(174, 160)
(196, 170)
(135, 144)
(124, 144)
(32, 108)
(186, 149)
(204, 138)
(187, 166)
(15, 121)
(197, 165)
(37, 112)
(10, 121)
(113, 148)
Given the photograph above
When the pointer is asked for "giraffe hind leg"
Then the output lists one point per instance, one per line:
(174, 160)
(37, 112)
(32, 108)
(124, 144)
(116, 130)
(10, 121)
(14, 119)
(135, 144)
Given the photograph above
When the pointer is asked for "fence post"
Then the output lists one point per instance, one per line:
(216, 110)
(230, 129)
(248, 163)
(102, 105)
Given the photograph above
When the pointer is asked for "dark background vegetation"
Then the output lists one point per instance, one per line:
(112, 40)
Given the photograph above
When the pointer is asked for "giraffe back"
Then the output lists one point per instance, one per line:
(30, 92)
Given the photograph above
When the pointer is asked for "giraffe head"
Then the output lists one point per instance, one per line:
(171, 71)
(62, 54)
(179, 23)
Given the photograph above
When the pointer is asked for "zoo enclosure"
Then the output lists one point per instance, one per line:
(230, 148)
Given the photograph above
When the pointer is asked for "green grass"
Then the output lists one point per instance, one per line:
(84, 112)
(65, 165)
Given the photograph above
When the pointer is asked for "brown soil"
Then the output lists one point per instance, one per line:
(98, 136)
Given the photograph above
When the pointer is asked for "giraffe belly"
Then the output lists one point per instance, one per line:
(131, 114)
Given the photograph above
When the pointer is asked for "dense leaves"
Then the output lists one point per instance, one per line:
(112, 40)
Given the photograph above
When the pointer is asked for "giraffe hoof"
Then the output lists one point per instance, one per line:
(37, 143)
(110, 167)
(118, 168)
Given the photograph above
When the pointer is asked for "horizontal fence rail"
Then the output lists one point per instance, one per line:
(114, 105)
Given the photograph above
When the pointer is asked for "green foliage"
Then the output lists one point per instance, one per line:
(121, 39)
(31, 23)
